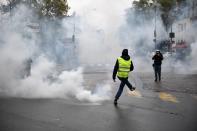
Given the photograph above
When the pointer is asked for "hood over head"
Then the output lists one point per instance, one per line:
(125, 54)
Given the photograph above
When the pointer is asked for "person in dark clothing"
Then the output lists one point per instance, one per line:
(26, 68)
(158, 57)
(122, 68)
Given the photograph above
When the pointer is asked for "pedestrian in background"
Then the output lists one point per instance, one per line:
(26, 68)
(122, 68)
(158, 57)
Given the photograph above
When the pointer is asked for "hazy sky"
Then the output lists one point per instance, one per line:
(79, 5)
(2, 1)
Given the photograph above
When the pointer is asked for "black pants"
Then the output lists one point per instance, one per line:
(157, 69)
(122, 84)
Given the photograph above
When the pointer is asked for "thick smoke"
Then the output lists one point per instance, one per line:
(102, 29)
(20, 44)
(106, 30)
(184, 26)
(99, 22)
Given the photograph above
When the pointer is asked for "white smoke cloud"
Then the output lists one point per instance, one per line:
(99, 23)
(107, 27)
(3, 2)
(193, 58)
(67, 83)
(17, 45)
(102, 31)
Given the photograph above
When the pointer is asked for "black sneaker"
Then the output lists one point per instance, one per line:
(133, 88)
(155, 80)
(115, 102)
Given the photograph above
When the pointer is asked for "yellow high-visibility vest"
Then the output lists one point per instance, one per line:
(124, 67)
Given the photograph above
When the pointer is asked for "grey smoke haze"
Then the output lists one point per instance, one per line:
(101, 34)
(184, 13)
(18, 44)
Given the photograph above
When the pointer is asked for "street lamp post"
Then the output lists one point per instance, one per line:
(155, 31)
(171, 34)
(10, 5)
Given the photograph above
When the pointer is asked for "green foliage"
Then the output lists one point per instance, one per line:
(141, 4)
(165, 7)
(180, 1)
(143, 9)
(45, 8)
(54, 8)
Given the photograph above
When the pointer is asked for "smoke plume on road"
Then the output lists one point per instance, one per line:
(101, 28)
(19, 44)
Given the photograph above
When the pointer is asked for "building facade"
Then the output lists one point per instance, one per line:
(185, 23)
(185, 26)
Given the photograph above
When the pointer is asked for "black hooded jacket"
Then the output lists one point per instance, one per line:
(125, 57)
(158, 57)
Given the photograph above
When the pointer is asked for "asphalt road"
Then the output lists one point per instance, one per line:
(169, 105)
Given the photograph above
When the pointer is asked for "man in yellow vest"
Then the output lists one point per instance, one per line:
(122, 68)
